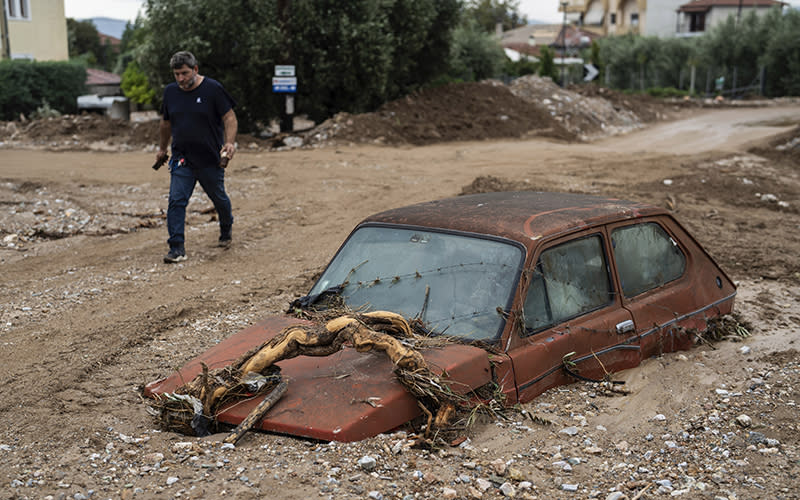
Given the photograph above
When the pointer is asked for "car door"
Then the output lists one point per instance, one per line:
(668, 283)
(572, 317)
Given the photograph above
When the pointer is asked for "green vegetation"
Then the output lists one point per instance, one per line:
(84, 45)
(736, 53)
(27, 86)
(488, 13)
(135, 85)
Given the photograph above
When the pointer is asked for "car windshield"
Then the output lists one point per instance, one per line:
(456, 284)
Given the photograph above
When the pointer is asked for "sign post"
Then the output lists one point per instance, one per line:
(285, 82)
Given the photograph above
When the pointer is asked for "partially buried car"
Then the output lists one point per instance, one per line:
(532, 288)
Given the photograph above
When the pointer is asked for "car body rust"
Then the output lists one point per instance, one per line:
(350, 396)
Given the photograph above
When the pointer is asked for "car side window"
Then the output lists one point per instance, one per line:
(646, 257)
(569, 279)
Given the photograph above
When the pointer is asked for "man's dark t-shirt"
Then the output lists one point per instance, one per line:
(196, 121)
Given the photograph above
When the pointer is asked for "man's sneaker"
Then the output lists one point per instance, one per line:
(225, 238)
(175, 255)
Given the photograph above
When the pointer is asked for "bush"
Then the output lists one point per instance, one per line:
(135, 85)
(26, 86)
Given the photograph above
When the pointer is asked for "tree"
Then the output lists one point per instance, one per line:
(475, 55)
(547, 65)
(83, 40)
(349, 56)
(489, 13)
(781, 56)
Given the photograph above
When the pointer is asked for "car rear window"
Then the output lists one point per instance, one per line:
(646, 257)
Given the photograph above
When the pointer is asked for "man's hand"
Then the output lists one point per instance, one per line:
(161, 158)
(228, 150)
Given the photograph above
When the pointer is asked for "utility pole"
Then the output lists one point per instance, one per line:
(564, 45)
(4, 37)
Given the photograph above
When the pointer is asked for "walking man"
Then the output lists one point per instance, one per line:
(197, 113)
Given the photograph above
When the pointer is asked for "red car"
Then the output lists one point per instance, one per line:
(534, 277)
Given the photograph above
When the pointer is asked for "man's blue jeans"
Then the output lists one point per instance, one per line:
(181, 186)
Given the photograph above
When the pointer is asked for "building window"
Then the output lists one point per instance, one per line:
(613, 19)
(17, 9)
(635, 19)
(697, 22)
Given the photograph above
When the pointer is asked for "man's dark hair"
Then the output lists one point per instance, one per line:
(179, 59)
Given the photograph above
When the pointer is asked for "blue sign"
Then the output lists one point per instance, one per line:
(284, 84)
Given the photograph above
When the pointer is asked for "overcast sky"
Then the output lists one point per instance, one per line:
(540, 10)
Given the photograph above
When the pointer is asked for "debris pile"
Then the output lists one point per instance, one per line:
(474, 111)
(587, 117)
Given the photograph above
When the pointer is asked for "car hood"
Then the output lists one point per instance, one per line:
(346, 396)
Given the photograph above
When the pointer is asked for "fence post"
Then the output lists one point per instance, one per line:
(733, 85)
(708, 81)
(692, 76)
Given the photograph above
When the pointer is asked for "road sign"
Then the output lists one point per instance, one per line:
(284, 70)
(591, 72)
(284, 84)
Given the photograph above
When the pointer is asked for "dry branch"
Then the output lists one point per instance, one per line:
(256, 373)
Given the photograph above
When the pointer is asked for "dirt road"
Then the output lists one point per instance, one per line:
(90, 313)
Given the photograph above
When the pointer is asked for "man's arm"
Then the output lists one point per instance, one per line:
(164, 133)
(231, 128)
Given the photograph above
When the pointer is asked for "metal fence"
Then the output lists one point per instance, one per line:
(706, 81)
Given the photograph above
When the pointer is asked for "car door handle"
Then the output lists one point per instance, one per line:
(625, 327)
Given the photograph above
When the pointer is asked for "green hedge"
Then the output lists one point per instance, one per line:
(26, 85)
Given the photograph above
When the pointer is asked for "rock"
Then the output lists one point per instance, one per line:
(483, 484)
(744, 350)
(569, 431)
(474, 492)
(375, 495)
(367, 463)
(499, 466)
(293, 142)
(449, 493)
(744, 421)
(508, 490)
(172, 480)
(770, 198)
(660, 418)
(569, 487)
(616, 495)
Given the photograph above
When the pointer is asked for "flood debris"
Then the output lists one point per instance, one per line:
(192, 407)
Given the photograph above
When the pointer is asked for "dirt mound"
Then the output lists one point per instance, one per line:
(784, 147)
(454, 112)
(492, 184)
(80, 132)
(587, 117)
(531, 106)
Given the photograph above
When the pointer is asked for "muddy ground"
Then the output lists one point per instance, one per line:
(89, 313)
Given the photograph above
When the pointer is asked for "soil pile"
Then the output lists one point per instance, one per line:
(530, 106)
(455, 112)
(79, 132)
(586, 116)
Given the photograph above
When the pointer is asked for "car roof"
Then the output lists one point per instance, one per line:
(524, 216)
